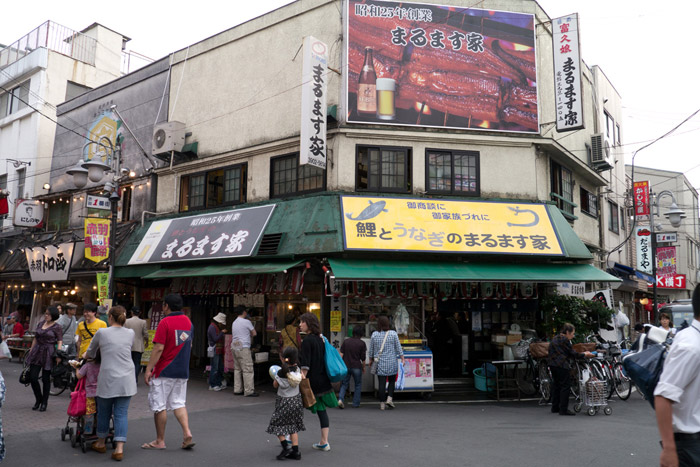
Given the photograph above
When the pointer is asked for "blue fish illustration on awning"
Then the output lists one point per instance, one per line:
(373, 210)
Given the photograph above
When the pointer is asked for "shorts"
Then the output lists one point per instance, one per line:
(167, 394)
(90, 406)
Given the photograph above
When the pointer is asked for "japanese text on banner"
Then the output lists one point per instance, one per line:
(97, 239)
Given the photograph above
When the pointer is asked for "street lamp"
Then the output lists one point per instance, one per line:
(95, 170)
(674, 215)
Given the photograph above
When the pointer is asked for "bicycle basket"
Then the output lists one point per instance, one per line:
(584, 347)
(520, 350)
(539, 349)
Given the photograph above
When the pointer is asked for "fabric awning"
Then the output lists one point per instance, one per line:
(224, 269)
(361, 269)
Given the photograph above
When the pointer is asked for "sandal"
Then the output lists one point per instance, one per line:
(187, 443)
(152, 446)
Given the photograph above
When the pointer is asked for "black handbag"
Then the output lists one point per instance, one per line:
(24, 376)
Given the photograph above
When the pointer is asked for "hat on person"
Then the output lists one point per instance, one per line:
(71, 305)
(220, 318)
(14, 315)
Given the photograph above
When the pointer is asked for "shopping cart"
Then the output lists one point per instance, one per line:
(595, 396)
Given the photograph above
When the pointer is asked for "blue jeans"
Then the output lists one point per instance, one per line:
(117, 407)
(356, 374)
(216, 373)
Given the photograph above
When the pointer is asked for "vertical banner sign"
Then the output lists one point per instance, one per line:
(641, 200)
(97, 239)
(313, 103)
(642, 237)
(567, 73)
(102, 286)
(666, 261)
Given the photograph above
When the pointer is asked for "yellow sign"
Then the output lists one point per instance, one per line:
(146, 356)
(102, 286)
(434, 225)
(336, 320)
(97, 239)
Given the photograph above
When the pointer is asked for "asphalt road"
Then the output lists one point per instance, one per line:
(230, 430)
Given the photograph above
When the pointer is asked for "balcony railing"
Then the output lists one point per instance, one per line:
(54, 37)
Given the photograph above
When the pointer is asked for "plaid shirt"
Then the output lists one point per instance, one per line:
(560, 351)
(387, 363)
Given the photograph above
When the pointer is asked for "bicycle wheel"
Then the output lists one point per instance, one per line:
(545, 377)
(576, 375)
(525, 379)
(623, 386)
(55, 391)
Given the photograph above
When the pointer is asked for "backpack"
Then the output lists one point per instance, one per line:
(644, 368)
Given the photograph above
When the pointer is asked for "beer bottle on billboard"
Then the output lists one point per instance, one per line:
(367, 86)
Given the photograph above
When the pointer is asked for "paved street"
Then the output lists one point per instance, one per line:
(231, 429)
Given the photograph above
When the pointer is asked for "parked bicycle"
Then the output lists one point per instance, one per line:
(533, 376)
(609, 361)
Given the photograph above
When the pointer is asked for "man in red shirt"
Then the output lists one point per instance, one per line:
(168, 370)
(17, 328)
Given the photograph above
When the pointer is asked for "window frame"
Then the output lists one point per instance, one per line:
(590, 199)
(3, 182)
(293, 155)
(21, 182)
(15, 99)
(557, 189)
(613, 217)
(186, 179)
(452, 153)
(407, 176)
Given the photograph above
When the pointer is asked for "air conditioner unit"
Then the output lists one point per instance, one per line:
(601, 158)
(168, 136)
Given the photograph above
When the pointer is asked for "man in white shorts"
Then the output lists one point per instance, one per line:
(168, 370)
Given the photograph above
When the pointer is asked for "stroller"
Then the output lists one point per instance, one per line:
(83, 433)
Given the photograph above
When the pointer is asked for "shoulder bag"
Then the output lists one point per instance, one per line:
(307, 395)
(335, 366)
(375, 361)
(78, 400)
(24, 376)
(644, 368)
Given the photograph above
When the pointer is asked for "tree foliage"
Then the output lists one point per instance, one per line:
(587, 316)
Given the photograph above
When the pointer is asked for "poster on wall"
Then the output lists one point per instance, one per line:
(439, 66)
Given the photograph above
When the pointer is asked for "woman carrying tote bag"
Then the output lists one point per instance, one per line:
(385, 348)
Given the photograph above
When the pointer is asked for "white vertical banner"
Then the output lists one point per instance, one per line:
(567, 73)
(313, 103)
(642, 237)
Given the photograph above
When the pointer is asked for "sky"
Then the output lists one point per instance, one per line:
(646, 49)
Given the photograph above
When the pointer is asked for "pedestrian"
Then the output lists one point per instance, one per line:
(168, 370)
(667, 323)
(140, 328)
(102, 314)
(313, 366)
(69, 325)
(676, 396)
(290, 336)
(242, 332)
(288, 417)
(114, 383)
(354, 353)
(90, 370)
(560, 352)
(13, 328)
(386, 349)
(216, 334)
(41, 357)
(88, 327)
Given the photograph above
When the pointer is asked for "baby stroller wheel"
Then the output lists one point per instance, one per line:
(63, 434)
(73, 441)
(83, 444)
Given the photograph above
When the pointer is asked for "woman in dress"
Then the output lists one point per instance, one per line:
(313, 365)
(386, 349)
(42, 356)
(115, 383)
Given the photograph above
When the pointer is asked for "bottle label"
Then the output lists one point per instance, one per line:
(367, 98)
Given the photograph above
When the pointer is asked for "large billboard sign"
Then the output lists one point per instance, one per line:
(450, 67)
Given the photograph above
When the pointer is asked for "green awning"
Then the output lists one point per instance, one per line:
(361, 269)
(224, 269)
(140, 271)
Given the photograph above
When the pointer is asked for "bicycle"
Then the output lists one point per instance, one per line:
(535, 377)
(62, 375)
(611, 365)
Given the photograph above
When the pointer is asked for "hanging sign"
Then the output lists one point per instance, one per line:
(567, 73)
(667, 237)
(98, 202)
(313, 103)
(28, 213)
(671, 281)
(641, 199)
(97, 239)
(225, 234)
(102, 286)
(404, 224)
(642, 237)
(49, 263)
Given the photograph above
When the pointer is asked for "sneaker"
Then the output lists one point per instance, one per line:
(224, 384)
(321, 447)
(382, 406)
(341, 405)
(390, 402)
(215, 388)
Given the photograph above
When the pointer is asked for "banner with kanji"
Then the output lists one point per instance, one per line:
(97, 239)
(641, 199)
(102, 286)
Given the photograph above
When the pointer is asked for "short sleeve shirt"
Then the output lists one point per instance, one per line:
(174, 332)
(85, 336)
(240, 332)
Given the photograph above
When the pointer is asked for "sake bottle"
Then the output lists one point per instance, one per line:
(367, 86)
